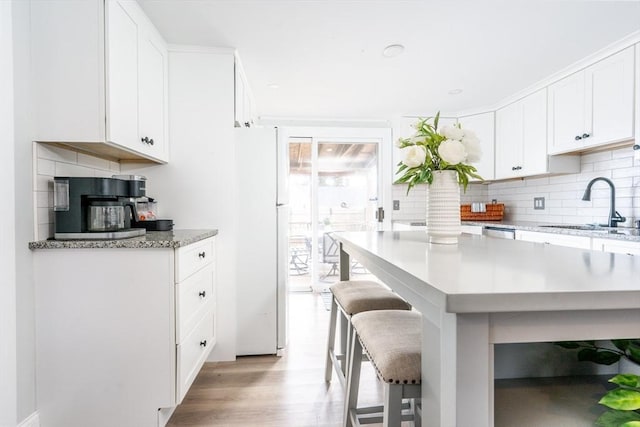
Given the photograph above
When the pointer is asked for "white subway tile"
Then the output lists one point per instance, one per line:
(46, 167)
(65, 169)
(56, 153)
(596, 157)
(93, 162)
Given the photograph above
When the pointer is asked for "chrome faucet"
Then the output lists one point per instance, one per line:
(614, 215)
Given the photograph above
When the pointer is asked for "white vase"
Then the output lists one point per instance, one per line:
(443, 208)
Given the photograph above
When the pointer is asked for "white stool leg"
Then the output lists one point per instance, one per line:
(353, 382)
(331, 340)
(392, 416)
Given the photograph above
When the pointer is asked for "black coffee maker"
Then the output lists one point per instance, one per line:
(97, 208)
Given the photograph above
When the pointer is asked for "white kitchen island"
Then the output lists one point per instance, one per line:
(485, 291)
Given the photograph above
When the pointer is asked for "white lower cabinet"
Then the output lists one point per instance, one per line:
(120, 335)
(580, 242)
(616, 246)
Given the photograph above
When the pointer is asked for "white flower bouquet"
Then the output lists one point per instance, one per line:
(432, 149)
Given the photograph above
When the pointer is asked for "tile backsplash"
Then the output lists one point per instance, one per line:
(50, 161)
(562, 193)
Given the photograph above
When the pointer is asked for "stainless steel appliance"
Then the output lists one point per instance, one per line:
(499, 232)
(95, 208)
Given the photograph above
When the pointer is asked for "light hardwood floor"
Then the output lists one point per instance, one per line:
(275, 391)
(290, 391)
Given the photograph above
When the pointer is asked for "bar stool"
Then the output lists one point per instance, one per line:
(349, 298)
(392, 340)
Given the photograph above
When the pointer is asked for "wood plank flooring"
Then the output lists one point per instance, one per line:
(276, 391)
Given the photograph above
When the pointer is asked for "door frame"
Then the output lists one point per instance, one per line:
(381, 136)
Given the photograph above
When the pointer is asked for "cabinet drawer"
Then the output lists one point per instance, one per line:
(194, 296)
(193, 257)
(192, 352)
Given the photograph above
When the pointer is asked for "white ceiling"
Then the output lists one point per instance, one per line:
(326, 55)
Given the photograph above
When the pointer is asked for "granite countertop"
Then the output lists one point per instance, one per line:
(152, 239)
(615, 233)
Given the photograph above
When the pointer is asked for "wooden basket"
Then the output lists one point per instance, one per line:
(495, 212)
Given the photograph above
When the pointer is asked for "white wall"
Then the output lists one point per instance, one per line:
(8, 376)
(562, 193)
(24, 214)
(196, 188)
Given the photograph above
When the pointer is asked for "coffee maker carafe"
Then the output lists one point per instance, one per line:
(96, 208)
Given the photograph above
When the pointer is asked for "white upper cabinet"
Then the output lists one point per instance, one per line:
(521, 146)
(484, 127)
(99, 78)
(593, 107)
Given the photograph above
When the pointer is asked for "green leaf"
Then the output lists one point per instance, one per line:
(631, 424)
(627, 380)
(567, 344)
(436, 120)
(614, 418)
(587, 355)
(602, 357)
(621, 344)
(634, 351)
(621, 398)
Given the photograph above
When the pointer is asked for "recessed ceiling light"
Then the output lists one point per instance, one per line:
(392, 50)
(273, 86)
(455, 91)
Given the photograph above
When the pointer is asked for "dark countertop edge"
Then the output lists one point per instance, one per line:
(151, 240)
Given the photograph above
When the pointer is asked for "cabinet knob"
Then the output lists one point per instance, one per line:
(578, 137)
(202, 255)
(585, 135)
(203, 343)
(202, 294)
(147, 140)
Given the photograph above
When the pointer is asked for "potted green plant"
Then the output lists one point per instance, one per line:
(623, 403)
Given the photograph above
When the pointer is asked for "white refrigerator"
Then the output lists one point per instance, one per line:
(262, 169)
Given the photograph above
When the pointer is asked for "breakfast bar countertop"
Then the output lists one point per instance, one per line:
(152, 239)
(485, 291)
(480, 275)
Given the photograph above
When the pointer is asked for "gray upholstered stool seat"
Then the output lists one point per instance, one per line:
(349, 298)
(392, 340)
(358, 296)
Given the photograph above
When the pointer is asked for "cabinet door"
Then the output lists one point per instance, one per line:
(122, 74)
(534, 133)
(566, 114)
(483, 125)
(610, 99)
(509, 141)
(152, 95)
(616, 246)
(579, 242)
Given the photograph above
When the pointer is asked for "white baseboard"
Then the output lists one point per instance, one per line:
(32, 420)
